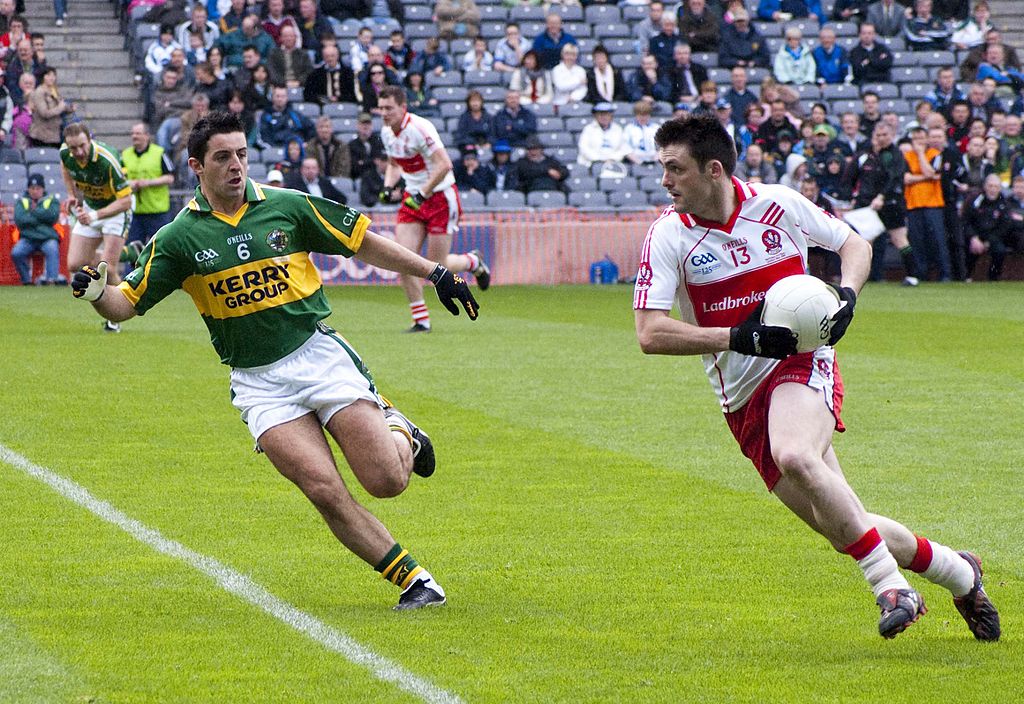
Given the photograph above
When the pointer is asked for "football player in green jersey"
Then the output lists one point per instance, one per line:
(104, 212)
(241, 251)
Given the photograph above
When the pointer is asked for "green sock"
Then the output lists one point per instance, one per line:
(398, 567)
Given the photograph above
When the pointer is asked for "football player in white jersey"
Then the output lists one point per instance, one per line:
(718, 249)
(430, 204)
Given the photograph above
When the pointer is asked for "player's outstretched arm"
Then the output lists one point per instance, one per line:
(659, 333)
(387, 254)
(855, 255)
(90, 284)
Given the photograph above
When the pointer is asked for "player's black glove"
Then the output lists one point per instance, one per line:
(755, 338)
(841, 320)
(384, 196)
(89, 283)
(415, 200)
(451, 286)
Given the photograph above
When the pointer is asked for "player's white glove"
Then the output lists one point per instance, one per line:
(89, 283)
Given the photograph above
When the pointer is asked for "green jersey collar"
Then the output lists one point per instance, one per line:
(253, 193)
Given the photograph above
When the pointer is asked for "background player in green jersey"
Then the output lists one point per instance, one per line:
(242, 253)
(104, 212)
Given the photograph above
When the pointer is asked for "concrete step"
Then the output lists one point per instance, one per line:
(95, 60)
(106, 26)
(94, 80)
(106, 111)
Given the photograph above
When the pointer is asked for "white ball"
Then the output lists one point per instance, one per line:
(804, 304)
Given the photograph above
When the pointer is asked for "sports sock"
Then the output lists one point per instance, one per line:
(399, 568)
(907, 257)
(474, 261)
(943, 566)
(877, 563)
(420, 314)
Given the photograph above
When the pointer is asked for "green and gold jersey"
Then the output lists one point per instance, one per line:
(101, 178)
(250, 274)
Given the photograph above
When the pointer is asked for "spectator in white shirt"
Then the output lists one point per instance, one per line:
(639, 135)
(603, 139)
(478, 58)
(159, 53)
(357, 52)
(568, 79)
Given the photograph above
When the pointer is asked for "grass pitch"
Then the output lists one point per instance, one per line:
(599, 534)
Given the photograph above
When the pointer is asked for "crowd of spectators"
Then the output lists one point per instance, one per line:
(777, 67)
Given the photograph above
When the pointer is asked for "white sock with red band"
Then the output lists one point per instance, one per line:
(420, 314)
(474, 261)
(877, 563)
(943, 566)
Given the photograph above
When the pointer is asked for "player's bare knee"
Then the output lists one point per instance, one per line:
(388, 483)
(325, 495)
(798, 465)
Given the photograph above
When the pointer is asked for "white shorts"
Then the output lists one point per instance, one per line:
(324, 375)
(116, 225)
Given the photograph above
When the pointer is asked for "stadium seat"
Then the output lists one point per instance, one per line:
(575, 109)
(848, 42)
(599, 15)
(489, 13)
(936, 58)
(472, 200)
(896, 105)
(617, 184)
(768, 30)
(579, 184)
(588, 199)
(35, 155)
(575, 125)
(55, 186)
(257, 171)
(546, 199)
(629, 199)
(566, 155)
(911, 74)
(627, 62)
(542, 110)
(550, 124)
(421, 13)
(333, 110)
(458, 47)
(775, 44)
(645, 172)
(506, 199)
(809, 28)
(449, 78)
(522, 14)
(756, 74)
(530, 30)
(310, 110)
(839, 91)
(706, 59)
(659, 199)
(838, 107)
(721, 76)
(493, 94)
(14, 171)
(808, 91)
(577, 170)
(450, 94)
(295, 95)
(492, 30)
(579, 30)
(418, 31)
(905, 58)
(619, 45)
(557, 139)
(569, 13)
(345, 125)
(10, 155)
(632, 14)
(44, 168)
(915, 91)
(272, 155)
(483, 78)
(884, 90)
(10, 184)
(614, 30)
(845, 29)
(452, 109)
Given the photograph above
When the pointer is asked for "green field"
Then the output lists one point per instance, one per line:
(599, 534)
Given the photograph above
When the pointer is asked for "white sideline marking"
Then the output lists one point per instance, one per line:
(237, 584)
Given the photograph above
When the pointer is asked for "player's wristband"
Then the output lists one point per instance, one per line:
(92, 215)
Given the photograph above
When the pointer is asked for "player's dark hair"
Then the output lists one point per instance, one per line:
(76, 128)
(213, 123)
(396, 93)
(704, 138)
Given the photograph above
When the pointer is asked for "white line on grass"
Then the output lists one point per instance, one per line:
(237, 584)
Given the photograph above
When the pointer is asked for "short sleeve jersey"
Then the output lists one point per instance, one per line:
(720, 272)
(410, 147)
(101, 178)
(250, 274)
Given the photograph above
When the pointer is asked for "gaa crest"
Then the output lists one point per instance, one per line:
(278, 240)
(772, 241)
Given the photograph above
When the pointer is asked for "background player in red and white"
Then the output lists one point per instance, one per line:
(430, 204)
(717, 250)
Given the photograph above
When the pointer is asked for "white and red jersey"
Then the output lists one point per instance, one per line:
(719, 272)
(410, 147)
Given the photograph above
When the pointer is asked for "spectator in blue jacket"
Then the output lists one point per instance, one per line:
(281, 123)
(777, 10)
(994, 67)
(742, 45)
(830, 59)
(548, 44)
(471, 175)
(431, 60)
(663, 44)
(35, 214)
(649, 82)
(513, 123)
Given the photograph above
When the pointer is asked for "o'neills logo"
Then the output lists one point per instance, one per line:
(732, 303)
(251, 286)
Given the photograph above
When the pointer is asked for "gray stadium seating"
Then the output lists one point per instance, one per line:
(589, 199)
(602, 14)
(546, 199)
(629, 199)
(506, 199)
(472, 200)
(35, 155)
